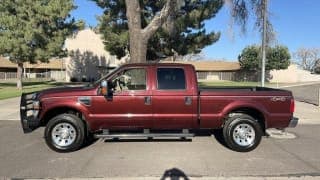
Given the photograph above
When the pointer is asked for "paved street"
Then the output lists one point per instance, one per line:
(27, 156)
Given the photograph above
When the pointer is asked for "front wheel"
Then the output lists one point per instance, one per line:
(65, 133)
(242, 133)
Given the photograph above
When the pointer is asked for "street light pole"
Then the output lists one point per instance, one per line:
(264, 37)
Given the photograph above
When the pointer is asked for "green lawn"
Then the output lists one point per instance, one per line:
(9, 90)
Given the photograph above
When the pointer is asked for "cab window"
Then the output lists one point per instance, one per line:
(130, 79)
(171, 79)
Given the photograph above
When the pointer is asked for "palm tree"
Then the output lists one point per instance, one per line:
(240, 13)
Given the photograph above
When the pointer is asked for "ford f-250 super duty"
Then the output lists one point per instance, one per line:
(151, 101)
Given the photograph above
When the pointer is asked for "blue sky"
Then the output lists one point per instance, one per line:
(296, 22)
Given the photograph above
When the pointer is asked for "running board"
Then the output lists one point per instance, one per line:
(152, 135)
(146, 134)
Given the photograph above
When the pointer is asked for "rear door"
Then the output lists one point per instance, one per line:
(173, 100)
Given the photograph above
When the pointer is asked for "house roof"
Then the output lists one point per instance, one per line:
(52, 64)
(212, 65)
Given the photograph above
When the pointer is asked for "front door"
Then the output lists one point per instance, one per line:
(130, 105)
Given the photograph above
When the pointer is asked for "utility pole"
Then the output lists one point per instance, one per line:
(264, 37)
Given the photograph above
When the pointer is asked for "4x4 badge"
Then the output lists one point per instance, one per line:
(278, 99)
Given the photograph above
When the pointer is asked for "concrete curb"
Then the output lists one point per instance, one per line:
(190, 178)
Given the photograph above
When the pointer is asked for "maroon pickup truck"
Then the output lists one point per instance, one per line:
(155, 101)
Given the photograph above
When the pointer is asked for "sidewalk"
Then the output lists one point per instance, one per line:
(307, 113)
(9, 109)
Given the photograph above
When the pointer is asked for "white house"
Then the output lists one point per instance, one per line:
(293, 75)
(87, 57)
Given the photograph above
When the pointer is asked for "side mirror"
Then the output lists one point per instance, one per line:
(104, 88)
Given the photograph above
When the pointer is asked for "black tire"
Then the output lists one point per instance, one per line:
(69, 121)
(238, 133)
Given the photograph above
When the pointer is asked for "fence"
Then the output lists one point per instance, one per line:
(8, 75)
(225, 76)
(52, 75)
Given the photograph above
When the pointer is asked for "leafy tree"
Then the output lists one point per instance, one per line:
(155, 29)
(278, 57)
(32, 30)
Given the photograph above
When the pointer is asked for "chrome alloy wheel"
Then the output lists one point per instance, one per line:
(63, 134)
(244, 134)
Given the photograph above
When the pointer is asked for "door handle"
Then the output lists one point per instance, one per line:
(188, 100)
(147, 100)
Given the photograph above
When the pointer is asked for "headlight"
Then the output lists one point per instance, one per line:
(31, 96)
(36, 105)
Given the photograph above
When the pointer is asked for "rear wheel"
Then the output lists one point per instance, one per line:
(242, 133)
(65, 133)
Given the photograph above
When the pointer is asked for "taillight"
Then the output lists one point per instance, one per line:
(292, 106)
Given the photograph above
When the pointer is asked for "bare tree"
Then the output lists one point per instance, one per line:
(138, 37)
(307, 58)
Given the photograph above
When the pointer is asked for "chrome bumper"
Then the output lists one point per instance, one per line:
(293, 122)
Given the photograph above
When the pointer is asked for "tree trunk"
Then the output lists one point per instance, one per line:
(138, 48)
(139, 37)
(19, 75)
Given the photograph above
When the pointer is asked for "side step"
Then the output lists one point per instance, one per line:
(146, 134)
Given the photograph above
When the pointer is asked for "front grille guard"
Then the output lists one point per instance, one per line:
(29, 122)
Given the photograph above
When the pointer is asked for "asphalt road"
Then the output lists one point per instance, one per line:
(306, 93)
(27, 156)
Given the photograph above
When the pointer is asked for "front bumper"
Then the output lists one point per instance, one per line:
(293, 122)
(28, 113)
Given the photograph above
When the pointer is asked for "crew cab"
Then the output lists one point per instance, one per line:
(155, 101)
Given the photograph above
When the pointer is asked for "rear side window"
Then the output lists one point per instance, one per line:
(171, 79)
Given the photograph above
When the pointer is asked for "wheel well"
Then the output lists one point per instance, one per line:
(256, 114)
(62, 110)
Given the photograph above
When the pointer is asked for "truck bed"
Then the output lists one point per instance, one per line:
(238, 88)
(247, 90)
(273, 104)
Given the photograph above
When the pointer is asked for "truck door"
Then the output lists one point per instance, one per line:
(173, 100)
(130, 106)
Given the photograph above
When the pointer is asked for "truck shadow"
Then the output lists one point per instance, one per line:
(89, 142)
(116, 140)
(217, 134)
